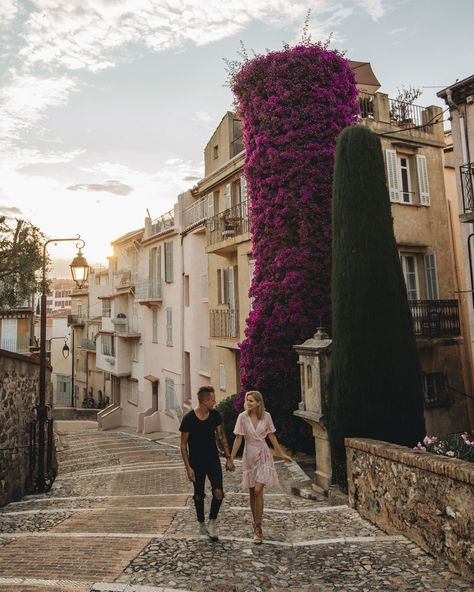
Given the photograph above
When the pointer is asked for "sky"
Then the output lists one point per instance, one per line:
(106, 105)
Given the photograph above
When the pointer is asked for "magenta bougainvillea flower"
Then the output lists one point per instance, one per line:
(293, 104)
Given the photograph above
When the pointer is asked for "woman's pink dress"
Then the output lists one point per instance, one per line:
(257, 460)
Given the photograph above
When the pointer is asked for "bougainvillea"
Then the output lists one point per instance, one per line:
(293, 103)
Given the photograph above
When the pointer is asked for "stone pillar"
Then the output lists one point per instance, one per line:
(381, 108)
(314, 362)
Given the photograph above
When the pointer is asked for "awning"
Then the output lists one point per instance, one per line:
(365, 79)
(152, 378)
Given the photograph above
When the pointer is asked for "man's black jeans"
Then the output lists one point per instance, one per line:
(213, 471)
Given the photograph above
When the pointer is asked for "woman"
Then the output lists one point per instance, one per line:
(254, 424)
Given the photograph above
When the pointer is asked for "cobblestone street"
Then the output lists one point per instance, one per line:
(120, 518)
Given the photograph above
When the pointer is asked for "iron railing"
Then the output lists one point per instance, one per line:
(403, 113)
(162, 223)
(18, 345)
(435, 318)
(224, 323)
(124, 278)
(76, 319)
(195, 213)
(232, 222)
(89, 344)
(467, 186)
(147, 288)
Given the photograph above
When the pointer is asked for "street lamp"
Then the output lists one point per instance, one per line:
(80, 273)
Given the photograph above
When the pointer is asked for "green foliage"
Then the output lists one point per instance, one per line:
(459, 446)
(229, 416)
(376, 380)
(20, 259)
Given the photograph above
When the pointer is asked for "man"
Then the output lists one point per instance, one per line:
(201, 457)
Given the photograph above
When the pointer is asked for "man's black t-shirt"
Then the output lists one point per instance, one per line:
(202, 436)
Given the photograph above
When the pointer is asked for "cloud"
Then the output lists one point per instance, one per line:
(374, 8)
(399, 30)
(10, 212)
(110, 186)
(8, 11)
(203, 117)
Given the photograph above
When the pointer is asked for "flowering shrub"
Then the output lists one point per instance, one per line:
(293, 103)
(455, 445)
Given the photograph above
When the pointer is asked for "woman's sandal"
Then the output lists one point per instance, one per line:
(257, 534)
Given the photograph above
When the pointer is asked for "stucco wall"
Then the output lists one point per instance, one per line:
(19, 378)
(428, 498)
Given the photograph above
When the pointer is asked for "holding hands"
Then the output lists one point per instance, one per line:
(229, 464)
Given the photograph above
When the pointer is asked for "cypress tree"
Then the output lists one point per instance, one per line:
(376, 380)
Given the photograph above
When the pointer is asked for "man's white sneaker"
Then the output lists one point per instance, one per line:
(202, 529)
(211, 530)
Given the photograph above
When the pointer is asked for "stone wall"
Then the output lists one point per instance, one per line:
(19, 379)
(428, 498)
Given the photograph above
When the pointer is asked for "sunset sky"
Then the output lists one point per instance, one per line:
(106, 105)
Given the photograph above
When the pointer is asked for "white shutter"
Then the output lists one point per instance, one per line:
(243, 189)
(423, 186)
(158, 270)
(231, 287)
(210, 205)
(393, 176)
(168, 262)
(222, 380)
(228, 196)
(431, 276)
(169, 326)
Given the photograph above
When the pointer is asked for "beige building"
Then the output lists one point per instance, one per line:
(412, 144)
(459, 98)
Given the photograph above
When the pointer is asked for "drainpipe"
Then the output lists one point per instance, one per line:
(181, 328)
(462, 128)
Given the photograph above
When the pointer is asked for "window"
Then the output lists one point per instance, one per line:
(154, 324)
(168, 262)
(154, 272)
(186, 290)
(132, 395)
(106, 308)
(228, 196)
(169, 326)
(170, 396)
(401, 176)
(134, 349)
(411, 277)
(222, 284)
(431, 277)
(204, 359)
(222, 381)
(436, 390)
(108, 344)
(211, 209)
(215, 151)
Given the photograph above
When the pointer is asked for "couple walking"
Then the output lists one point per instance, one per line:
(201, 458)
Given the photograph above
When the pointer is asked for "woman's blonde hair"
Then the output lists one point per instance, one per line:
(257, 395)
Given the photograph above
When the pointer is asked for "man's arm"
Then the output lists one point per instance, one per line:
(183, 446)
(225, 446)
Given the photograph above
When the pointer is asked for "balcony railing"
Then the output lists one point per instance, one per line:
(232, 222)
(19, 345)
(88, 344)
(224, 323)
(78, 320)
(402, 113)
(467, 186)
(366, 105)
(162, 223)
(435, 318)
(195, 213)
(145, 289)
(124, 278)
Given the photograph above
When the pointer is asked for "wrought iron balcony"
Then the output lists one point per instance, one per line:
(230, 223)
(19, 345)
(224, 323)
(435, 318)
(148, 291)
(124, 278)
(88, 344)
(467, 186)
(76, 320)
(162, 223)
(195, 213)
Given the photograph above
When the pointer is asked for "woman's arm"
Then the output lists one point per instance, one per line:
(277, 447)
(235, 448)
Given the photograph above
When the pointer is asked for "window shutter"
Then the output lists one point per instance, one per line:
(231, 287)
(392, 175)
(423, 186)
(150, 264)
(210, 205)
(169, 326)
(243, 189)
(228, 196)
(168, 262)
(158, 269)
(222, 380)
(431, 277)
